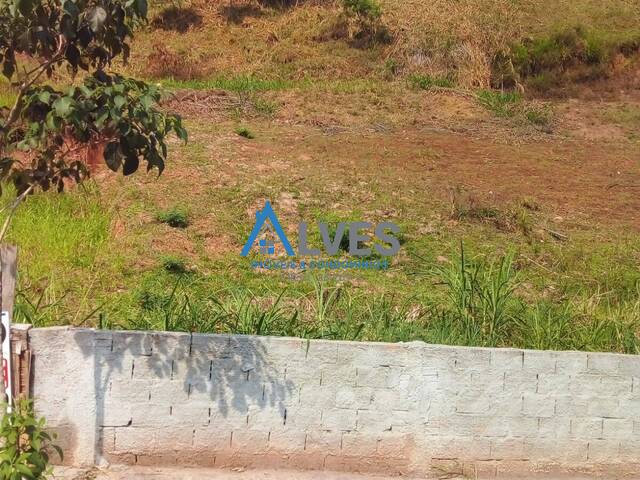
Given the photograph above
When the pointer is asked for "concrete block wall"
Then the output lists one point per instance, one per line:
(213, 400)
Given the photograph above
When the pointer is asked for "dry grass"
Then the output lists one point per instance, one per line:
(440, 38)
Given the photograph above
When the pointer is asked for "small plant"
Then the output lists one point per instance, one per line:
(174, 265)
(245, 132)
(540, 116)
(364, 9)
(481, 298)
(364, 20)
(175, 217)
(264, 107)
(500, 103)
(25, 444)
(391, 68)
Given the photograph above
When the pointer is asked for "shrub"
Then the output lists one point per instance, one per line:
(174, 265)
(500, 103)
(25, 444)
(364, 21)
(365, 9)
(245, 132)
(175, 217)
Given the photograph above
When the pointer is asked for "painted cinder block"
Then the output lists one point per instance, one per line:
(339, 419)
(246, 400)
(538, 405)
(603, 363)
(556, 451)
(617, 428)
(539, 361)
(586, 428)
(359, 444)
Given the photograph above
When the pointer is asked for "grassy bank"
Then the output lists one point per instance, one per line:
(77, 267)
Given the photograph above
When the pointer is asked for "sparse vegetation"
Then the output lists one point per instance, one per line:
(571, 54)
(245, 132)
(427, 82)
(347, 130)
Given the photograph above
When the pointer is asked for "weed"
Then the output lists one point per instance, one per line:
(391, 68)
(174, 217)
(264, 107)
(366, 9)
(545, 61)
(540, 116)
(242, 83)
(364, 18)
(481, 297)
(244, 132)
(175, 265)
(500, 103)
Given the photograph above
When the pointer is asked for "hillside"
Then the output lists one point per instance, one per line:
(501, 136)
(465, 42)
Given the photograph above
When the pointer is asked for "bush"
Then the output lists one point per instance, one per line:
(245, 132)
(363, 22)
(500, 103)
(174, 265)
(175, 217)
(25, 444)
(365, 9)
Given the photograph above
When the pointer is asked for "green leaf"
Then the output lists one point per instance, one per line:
(62, 106)
(25, 6)
(119, 101)
(24, 470)
(52, 122)
(131, 164)
(44, 96)
(142, 8)
(96, 17)
(113, 156)
(71, 8)
(9, 67)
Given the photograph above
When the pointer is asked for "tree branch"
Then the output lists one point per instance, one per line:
(27, 83)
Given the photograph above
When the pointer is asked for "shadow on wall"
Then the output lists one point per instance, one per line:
(143, 379)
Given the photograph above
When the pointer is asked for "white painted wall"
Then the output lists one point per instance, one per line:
(162, 398)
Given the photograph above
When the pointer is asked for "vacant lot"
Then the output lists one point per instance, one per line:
(536, 191)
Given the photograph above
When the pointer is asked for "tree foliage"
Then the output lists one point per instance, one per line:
(43, 135)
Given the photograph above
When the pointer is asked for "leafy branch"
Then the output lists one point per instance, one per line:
(44, 134)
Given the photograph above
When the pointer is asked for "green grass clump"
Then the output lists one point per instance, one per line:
(174, 217)
(500, 103)
(544, 61)
(427, 82)
(173, 264)
(243, 83)
(363, 8)
(245, 132)
(480, 305)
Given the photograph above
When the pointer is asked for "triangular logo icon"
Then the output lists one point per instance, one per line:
(262, 217)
